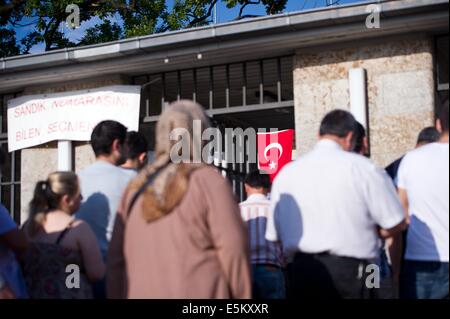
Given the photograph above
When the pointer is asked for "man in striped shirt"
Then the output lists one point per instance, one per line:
(266, 257)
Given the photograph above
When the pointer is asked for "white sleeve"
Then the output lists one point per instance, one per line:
(381, 198)
(402, 173)
(271, 229)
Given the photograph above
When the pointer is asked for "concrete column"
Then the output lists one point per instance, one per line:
(358, 95)
(64, 155)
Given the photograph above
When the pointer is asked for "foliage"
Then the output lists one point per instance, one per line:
(47, 18)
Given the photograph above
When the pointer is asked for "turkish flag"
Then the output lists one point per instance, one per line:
(275, 151)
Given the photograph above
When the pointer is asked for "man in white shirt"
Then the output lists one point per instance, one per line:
(330, 208)
(423, 183)
(426, 136)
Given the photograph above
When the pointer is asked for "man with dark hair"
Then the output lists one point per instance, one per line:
(266, 257)
(423, 186)
(426, 136)
(258, 182)
(137, 148)
(102, 184)
(359, 140)
(338, 124)
(329, 210)
(107, 140)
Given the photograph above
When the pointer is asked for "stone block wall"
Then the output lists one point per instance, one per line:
(400, 88)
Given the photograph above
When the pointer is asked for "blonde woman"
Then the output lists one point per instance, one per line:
(178, 231)
(64, 258)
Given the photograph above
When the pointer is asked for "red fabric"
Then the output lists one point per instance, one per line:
(275, 151)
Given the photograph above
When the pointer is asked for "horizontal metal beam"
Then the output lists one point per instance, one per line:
(237, 29)
(291, 32)
(235, 109)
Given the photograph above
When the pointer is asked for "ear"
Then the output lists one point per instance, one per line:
(366, 145)
(65, 200)
(439, 126)
(115, 146)
(143, 158)
(348, 141)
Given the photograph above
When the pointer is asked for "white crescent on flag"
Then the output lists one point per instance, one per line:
(273, 146)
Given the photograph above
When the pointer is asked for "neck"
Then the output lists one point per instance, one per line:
(130, 164)
(62, 211)
(263, 193)
(444, 138)
(107, 158)
(333, 138)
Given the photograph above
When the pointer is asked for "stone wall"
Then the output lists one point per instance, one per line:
(400, 88)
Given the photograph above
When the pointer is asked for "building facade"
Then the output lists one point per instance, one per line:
(282, 71)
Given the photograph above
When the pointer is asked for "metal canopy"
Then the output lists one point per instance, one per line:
(224, 43)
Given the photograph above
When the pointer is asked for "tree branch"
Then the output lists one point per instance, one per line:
(243, 7)
(15, 23)
(204, 17)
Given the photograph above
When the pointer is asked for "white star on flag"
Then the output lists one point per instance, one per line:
(273, 165)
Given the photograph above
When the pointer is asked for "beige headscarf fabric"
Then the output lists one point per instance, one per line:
(170, 185)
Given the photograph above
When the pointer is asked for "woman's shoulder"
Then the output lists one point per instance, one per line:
(210, 178)
(76, 233)
(207, 172)
(77, 230)
(80, 226)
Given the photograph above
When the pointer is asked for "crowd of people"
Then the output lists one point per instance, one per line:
(332, 225)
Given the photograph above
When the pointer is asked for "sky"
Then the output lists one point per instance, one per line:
(223, 15)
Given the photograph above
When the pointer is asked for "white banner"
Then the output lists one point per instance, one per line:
(38, 119)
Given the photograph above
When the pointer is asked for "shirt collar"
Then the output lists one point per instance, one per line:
(256, 198)
(328, 144)
(104, 163)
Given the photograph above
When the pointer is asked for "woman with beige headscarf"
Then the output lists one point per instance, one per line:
(178, 232)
